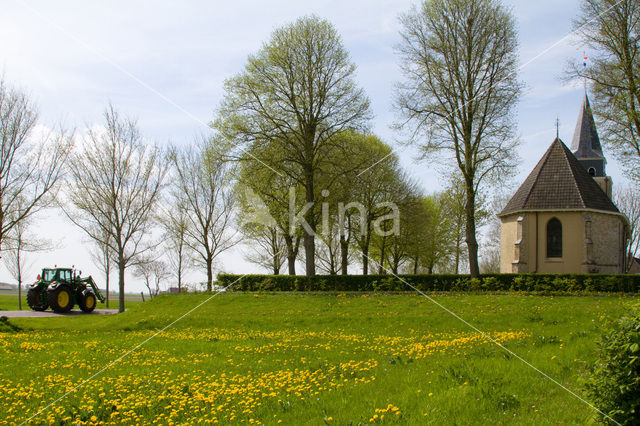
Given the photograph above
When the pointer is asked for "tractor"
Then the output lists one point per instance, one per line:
(61, 289)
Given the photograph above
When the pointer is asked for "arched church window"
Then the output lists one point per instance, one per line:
(554, 238)
(592, 171)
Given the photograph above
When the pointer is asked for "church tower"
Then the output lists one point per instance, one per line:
(587, 149)
(561, 219)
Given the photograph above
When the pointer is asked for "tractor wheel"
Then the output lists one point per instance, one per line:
(87, 301)
(35, 301)
(60, 299)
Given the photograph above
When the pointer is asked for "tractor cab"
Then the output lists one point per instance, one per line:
(58, 274)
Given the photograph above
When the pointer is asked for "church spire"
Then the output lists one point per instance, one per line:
(586, 143)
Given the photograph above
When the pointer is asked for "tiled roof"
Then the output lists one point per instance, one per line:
(586, 143)
(560, 182)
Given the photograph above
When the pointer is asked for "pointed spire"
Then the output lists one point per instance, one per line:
(586, 143)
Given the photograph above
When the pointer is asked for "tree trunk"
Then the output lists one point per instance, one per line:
(365, 261)
(209, 274)
(382, 248)
(333, 261)
(415, 266)
(458, 244)
(365, 249)
(180, 271)
(19, 271)
(309, 254)
(20, 294)
(344, 254)
(107, 296)
(275, 260)
(309, 239)
(472, 243)
(458, 257)
(291, 254)
(121, 267)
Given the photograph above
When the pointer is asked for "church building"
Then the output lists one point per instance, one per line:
(562, 219)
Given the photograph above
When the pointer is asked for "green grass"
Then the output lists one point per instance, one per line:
(9, 302)
(309, 359)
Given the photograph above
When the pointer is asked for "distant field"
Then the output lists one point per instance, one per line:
(308, 359)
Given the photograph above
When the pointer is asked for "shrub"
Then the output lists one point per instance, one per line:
(540, 283)
(491, 284)
(518, 283)
(474, 284)
(614, 386)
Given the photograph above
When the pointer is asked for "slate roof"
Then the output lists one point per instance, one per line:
(559, 182)
(586, 143)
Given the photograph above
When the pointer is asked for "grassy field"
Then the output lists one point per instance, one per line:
(9, 301)
(300, 359)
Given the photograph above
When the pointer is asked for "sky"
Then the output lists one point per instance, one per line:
(164, 63)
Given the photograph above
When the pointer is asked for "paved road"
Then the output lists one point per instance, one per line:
(33, 314)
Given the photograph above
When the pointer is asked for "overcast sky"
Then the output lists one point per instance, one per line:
(164, 63)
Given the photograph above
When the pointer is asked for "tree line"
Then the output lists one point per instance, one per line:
(291, 168)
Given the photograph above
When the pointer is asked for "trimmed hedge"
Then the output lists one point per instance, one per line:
(566, 283)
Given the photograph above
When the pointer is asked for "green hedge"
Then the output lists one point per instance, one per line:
(614, 384)
(571, 283)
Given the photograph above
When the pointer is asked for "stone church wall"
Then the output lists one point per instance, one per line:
(607, 236)
(508, 237)
(591, 242)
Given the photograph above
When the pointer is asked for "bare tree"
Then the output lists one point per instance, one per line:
(19, 244)
(296, 93)
(266, 247)
(328, 253)
(160, 270)
(490, 256)
(114, 187)
(102, 255)
(610, 29)
(174, 223)
(203, 178)
(459, 58)
(31, 165)
(152, 271)
(628, 201)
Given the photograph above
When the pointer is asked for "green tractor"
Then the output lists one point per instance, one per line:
(60, 289)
